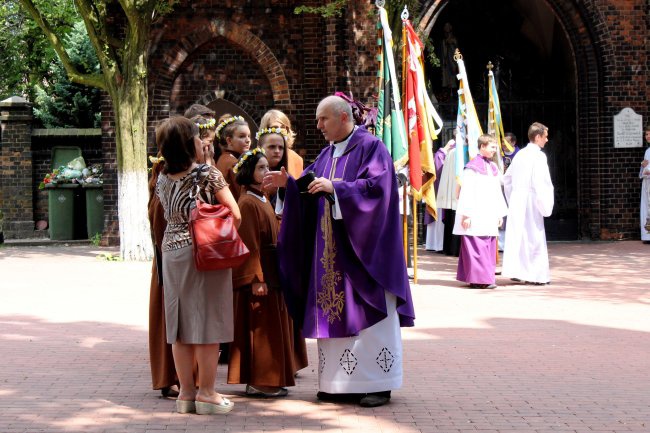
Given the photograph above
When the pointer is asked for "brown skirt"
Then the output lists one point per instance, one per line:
(262, 351)
(198, 304)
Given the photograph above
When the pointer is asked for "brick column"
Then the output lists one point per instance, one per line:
(16, 194)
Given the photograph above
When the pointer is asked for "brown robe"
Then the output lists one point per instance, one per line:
(163, 372)
(225, 163)
(262, 351)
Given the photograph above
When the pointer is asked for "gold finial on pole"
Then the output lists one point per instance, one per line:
(490, 66)
(457, 55)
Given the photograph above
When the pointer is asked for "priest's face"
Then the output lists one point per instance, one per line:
(330, 124)
(489, 149)
(647, 136)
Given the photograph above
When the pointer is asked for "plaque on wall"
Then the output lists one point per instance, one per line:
(628, 129)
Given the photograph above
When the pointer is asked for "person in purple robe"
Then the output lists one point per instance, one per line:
(341, 260)
(507, 155)
(480, 212)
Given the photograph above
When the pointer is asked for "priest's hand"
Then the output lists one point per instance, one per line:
(645, 163)
(320, 184)
(260, 289)
(500, 222)
(275, 179)
(466, 222)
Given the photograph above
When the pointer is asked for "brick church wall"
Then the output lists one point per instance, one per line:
(261, 55)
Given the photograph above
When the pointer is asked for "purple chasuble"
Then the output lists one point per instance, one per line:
(335, 272)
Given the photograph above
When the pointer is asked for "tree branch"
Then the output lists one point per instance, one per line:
(94, 80)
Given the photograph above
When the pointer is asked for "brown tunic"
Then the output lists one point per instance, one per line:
(225, 163)
(163, 373)
(262, 350)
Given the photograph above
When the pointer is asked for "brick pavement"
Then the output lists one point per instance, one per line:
(570, 357)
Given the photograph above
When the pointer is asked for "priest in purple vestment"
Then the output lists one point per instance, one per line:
(481, 208)
(342, 261)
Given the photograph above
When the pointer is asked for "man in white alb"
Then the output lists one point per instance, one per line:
(529, 191)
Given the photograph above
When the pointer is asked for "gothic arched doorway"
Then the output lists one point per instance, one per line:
(536, 74)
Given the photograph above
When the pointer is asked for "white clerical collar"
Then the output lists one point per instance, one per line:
(340, 147)
(257, 196)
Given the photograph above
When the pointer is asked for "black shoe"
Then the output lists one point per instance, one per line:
(375, 399)
(516, 280)
(169, 391)
(340, 398)
(224, 353)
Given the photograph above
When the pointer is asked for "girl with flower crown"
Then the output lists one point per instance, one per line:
(207, 127)
(261, 354)
(234, 136)
(277, 119)
(274, 142)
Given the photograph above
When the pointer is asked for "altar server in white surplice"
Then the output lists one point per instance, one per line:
(529, 191)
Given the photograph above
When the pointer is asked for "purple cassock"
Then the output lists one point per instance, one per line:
(509, 156)
(335, 272)
(439, 160)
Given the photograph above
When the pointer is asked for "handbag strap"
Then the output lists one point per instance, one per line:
(196, 188)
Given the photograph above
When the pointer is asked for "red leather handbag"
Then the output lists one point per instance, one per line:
(215, 241)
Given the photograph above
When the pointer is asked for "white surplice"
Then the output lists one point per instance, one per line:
(529, 191)
(644, 174)
(369, 362)
(446, 198)
(481, 199)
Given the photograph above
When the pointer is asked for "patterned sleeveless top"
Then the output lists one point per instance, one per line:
(175, 199)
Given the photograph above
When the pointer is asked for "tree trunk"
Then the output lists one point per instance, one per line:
(130, 107)
(128, 92)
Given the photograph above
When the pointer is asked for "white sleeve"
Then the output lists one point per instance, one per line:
(279, 205)
(542, 187)
(336, 209)
(507, 184)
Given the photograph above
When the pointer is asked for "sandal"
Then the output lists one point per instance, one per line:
(185, 406)
(203, 408)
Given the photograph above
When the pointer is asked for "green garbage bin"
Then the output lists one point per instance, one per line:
(94, 209)
(61, 155)
(61, 217)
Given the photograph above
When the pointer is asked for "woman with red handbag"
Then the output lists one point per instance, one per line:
(261, 354)
(198, 304)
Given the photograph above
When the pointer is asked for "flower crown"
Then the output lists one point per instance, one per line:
(245, 156)
(225, 123)
(156, 159)
(209, 123)
(265, 131)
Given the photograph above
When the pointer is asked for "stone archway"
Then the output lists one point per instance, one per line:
(585, 31)
(174, 58)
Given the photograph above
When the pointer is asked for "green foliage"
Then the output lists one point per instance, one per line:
(96, 239)
(26, 54)
(60, 103)
(332, 9)
(110, 257)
